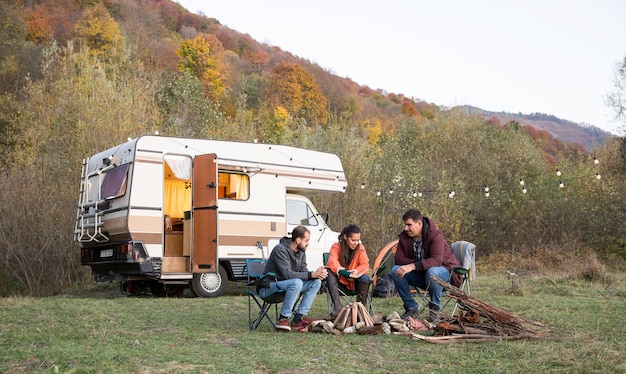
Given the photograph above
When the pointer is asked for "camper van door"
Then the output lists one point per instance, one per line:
(204, 251)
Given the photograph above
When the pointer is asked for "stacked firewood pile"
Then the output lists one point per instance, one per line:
(354, 318)
(351, 318)
(479, 322)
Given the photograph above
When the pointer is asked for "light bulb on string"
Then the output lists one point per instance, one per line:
(414, 194)
(362, 186)
(561, 184)
(451, 194)
(419, 193)
(524, 190)
(521, 181)
(558, 172)
(596, 161)
(390, 190)
(378, 193)
(598, 176)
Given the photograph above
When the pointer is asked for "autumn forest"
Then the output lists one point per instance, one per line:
(80, 76)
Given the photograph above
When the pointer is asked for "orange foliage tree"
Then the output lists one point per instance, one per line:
(204, 57)
(100, 33)
(294, 88)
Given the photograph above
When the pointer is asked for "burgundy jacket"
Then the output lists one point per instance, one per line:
(436, 251)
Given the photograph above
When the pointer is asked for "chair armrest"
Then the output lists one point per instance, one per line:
(460, 270)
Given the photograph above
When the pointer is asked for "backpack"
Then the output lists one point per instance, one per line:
(384, 287)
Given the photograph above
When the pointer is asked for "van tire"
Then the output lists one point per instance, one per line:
(209, 284)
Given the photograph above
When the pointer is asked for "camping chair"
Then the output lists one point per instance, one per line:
(256, 276)
(348, 296)
(465, 252)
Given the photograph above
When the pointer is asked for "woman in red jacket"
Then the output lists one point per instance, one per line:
(348, 264)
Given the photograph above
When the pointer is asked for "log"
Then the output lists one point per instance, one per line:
(355, 314)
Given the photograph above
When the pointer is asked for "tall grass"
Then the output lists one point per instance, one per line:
(97, 330)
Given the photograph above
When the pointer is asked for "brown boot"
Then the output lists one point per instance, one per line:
(362, 291)
(333, 291)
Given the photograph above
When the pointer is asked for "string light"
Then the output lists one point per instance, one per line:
(362, 186)
(598, 176)
(391, 190)
(524, 190)
(486, 188)
(561, 184)
(414, 193)
(451, 194)
(558, 172)
(521, 181)
(378, 193)
(596, 161)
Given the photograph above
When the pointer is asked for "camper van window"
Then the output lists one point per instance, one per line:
(300, 213)
(114, 183)
(233, 186)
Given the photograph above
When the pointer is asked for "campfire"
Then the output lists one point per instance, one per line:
(477, 321)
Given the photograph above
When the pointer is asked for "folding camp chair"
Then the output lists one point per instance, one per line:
(256, 276)
(348, 296)
(465, 252)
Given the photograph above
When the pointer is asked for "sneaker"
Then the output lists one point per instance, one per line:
(415, 313)
(283, 324)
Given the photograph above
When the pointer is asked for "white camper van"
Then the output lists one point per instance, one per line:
(163, 213)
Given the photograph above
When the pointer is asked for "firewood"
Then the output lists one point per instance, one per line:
(344, 320)
(355, 314)
(486, 310)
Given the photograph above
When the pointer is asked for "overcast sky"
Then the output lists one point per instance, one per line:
(551, 56)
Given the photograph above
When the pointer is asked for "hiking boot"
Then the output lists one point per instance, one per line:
(415, 313)
(283, 324)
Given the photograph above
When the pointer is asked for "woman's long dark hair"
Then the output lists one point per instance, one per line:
(345, 254)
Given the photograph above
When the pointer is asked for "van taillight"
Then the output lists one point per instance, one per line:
(124, 248)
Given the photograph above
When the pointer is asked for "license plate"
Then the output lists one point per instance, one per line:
(106, 253)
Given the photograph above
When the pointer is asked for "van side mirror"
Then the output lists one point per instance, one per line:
(325, 217)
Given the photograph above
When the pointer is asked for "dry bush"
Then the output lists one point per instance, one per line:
(569, 260)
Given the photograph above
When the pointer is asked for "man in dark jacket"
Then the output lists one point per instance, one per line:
(422, 251)
(288, 262)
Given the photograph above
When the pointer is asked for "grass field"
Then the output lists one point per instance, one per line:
(97, 330)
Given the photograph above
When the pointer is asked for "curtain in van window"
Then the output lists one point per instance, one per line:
(180, 165)
(176, 198)
(241, 185)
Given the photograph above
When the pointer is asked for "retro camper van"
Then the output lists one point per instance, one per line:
(162, 214)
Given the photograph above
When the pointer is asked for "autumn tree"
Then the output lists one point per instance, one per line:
(294, 89)
(98, 31)
(203, 56)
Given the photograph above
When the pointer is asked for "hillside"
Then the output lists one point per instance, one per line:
(588, 136)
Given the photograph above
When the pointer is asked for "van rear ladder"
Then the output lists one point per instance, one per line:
(89, 216)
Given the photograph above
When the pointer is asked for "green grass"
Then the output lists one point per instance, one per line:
(99, 331)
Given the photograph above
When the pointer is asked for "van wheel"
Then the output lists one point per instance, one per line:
(209, 284)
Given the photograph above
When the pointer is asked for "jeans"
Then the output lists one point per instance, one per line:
(421, 280)
(293, 288)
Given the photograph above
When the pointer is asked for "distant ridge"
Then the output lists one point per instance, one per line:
(588, 136)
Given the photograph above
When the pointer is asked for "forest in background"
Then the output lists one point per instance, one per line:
(81, 76)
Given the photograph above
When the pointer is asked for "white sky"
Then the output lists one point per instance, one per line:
(551, 56)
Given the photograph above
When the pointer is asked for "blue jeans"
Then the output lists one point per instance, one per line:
(293, 288)
(421, 280)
